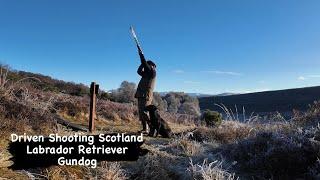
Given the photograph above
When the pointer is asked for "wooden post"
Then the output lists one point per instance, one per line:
(94, 89)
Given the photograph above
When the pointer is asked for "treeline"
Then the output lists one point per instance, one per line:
(173, 102)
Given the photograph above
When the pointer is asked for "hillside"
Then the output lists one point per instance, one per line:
(46, 83)
(262, 102)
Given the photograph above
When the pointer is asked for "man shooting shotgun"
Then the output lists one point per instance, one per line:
(144, 93)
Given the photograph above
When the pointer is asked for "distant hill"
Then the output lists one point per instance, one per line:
(226, 94)
(262, 102)
(190, 94)
(200, 94)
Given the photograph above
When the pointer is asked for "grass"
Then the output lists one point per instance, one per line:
(272, 155)
(209, 171)
(227, 132)
(268, 149)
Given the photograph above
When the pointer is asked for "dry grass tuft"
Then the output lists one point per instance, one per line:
(63, 172)
(153, 166)
(272, 155)
(227, 132)
(209, 171)
(184, 147)
(111, 171)
(309, 118)
(116, 111)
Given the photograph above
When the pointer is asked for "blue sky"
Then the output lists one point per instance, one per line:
(205, 46)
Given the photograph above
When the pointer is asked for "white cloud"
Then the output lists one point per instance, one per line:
(261, 82)
(301, 78)
(224, 72)
(255, 90)
(178, 71)
(262, 89)
(245, 91)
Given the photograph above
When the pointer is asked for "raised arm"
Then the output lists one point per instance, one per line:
(140, 70)
(143, 60)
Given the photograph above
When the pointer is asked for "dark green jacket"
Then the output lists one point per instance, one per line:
(147, 81)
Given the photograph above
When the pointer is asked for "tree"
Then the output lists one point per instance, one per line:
(125, 93)
(189, 108)
(179, 102)
(173, 102)
(159, 102)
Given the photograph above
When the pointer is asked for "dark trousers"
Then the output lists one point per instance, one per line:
(143, 115)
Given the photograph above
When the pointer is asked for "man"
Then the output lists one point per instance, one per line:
(144, 94)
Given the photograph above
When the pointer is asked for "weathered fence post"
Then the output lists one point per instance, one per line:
(94, 89)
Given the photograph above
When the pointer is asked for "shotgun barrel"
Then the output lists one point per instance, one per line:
(136, 39)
